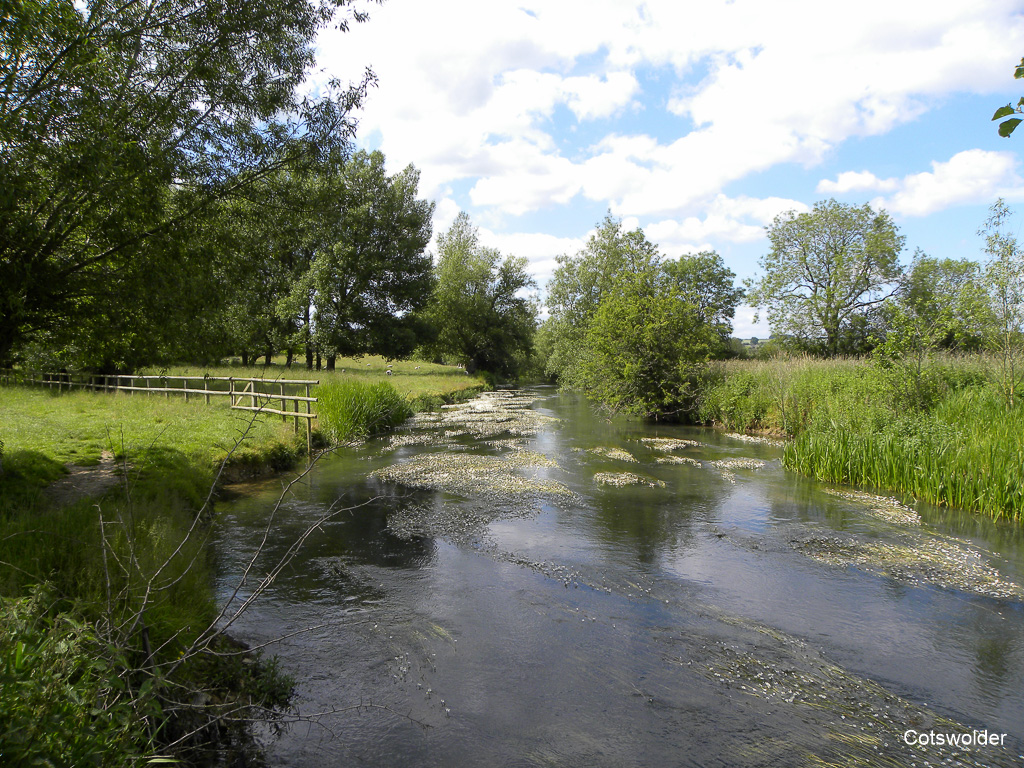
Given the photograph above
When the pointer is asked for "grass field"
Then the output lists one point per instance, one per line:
(412, 378)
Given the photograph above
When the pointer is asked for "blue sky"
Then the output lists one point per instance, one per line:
(697, 121)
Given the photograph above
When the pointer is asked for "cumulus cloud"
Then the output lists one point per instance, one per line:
(735, 220)
(658, 110)
(975, 176)
(856, 181)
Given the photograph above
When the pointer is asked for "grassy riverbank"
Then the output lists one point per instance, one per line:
(114, 640)
(942, 431)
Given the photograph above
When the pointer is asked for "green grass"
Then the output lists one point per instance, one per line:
(147, 565)
(352, 408)
(412, 378)
(942, 432)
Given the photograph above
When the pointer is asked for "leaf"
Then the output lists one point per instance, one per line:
(1006, 128)
(1003, 112)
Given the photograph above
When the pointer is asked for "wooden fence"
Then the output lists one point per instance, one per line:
(246, 394)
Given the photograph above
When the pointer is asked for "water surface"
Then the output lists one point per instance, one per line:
(713, 615)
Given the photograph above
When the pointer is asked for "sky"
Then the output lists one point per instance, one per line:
(697, 120)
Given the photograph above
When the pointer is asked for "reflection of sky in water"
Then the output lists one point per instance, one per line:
(566, 632)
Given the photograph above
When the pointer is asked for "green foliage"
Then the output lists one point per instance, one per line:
(350, 409)
(632, 330)
(949, 437)
(478, 312)
(1007, 127)
(367, 271)
(105, 106)
(580, 283)
(703, 281)
(643, 346)
(63, 701)
(826, 274)
(1004, 279)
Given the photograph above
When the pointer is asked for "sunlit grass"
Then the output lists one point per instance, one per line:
(412, 378)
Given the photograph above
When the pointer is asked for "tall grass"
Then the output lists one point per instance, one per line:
(942, 432)
(348, 409)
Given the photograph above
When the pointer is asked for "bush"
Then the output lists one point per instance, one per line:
(348, 410)
(62, 702)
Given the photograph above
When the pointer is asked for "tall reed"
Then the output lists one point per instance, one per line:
(941, 432)
(348, 409)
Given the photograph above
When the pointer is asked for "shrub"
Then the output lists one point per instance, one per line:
(62, 702)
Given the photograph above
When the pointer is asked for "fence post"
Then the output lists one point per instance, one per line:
(231, 390)
(284, 405)
(309, 426)
(206, 389)
(184, 385)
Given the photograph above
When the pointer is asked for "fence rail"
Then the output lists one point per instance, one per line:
(246, 393)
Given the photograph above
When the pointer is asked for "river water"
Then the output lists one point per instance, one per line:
(521, 581)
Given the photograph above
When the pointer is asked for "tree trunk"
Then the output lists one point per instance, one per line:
(318, 361)
(330, 362)
(291, 358)
(245, 358)
(309, 342)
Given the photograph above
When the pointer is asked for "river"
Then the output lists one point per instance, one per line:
(520, 581)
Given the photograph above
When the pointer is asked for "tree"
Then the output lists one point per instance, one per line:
(643, 346)
(1008, 126)
(826, 272)
(107, 107)
(1004, 279)
(940, 304)
(704, 281)
(369, 272)
(579, 284)
(478, 312)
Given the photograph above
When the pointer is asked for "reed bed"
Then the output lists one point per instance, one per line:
(941, 431)
(353, 409)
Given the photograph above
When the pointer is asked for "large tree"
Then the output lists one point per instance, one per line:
(826, 272)
(479, 311)
(369, 272)
(580, 283)
(105, 107)
(644, 344)
(703, 281)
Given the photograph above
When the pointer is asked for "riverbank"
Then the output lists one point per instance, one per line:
(104, 511)
(941, 429)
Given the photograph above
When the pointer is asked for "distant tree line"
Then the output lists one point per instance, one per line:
(633, 329)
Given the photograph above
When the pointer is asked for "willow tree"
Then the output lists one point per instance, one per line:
(368, 270)
(481, 312)
(105, 107)
(580, 283)
(826, 271)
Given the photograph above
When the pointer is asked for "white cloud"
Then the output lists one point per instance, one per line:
(661, 110)
(855, 181)
(972, 176)
(735, 220)
(744, 327)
